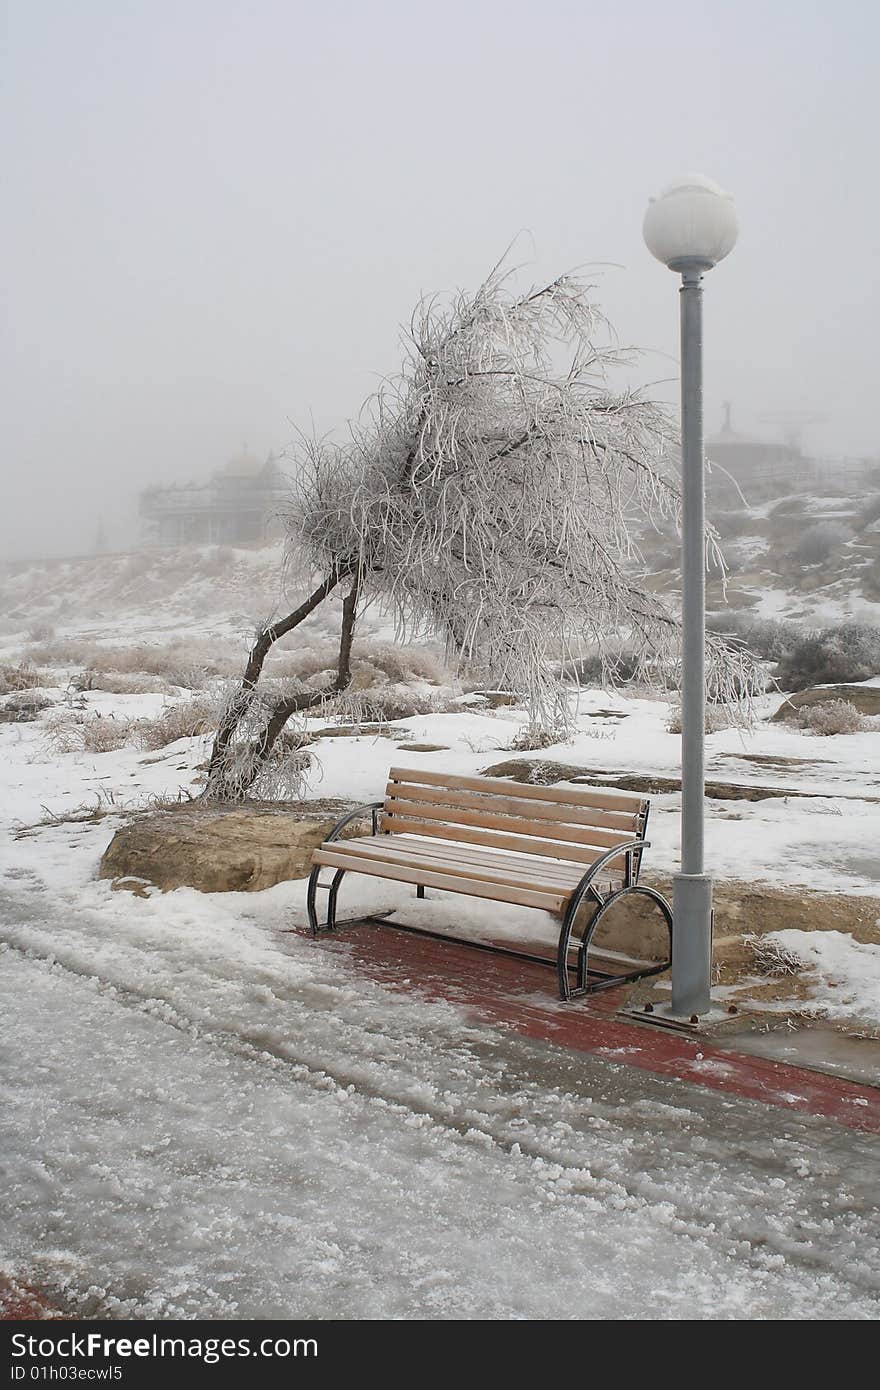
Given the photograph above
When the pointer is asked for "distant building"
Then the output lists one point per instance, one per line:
(760, 468)
(240, 504)
(757, 467)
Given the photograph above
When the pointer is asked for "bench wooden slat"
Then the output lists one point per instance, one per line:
(514, 875)
(519, 869)
(489, 820)
(605, 800)
(515, 806)
(335, 856)
(580, 854)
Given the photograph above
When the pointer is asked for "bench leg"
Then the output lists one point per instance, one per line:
(311, 895)
(332, 895)
(420, 890)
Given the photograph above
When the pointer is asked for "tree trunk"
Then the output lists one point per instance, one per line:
(235, 789)
(349, 613)
(297, 704)
(240, 702)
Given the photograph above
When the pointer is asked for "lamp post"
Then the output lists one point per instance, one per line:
(690, 227)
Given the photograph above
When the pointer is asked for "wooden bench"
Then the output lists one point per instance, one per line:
(536, 846)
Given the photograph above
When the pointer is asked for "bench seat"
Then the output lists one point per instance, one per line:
(508, 877)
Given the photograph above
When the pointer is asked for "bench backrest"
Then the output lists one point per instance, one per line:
(577, 826)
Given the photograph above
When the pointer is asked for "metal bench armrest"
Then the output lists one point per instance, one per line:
(369, 807)
(628, 847)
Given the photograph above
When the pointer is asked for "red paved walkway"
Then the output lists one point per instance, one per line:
(22, 1303)
(515, 994)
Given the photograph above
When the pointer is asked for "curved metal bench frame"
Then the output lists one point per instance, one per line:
(372, 809)
(586, 888)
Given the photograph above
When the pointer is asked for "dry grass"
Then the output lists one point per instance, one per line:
(67, 732)
(188, 719)
(121, 683)
(23, 705)
(771, 957)
(22, 677)
(718, 717)
(386, 704)
(834, 717)
(185, 664)
(373, 663)
(70, 732)
(529, 739)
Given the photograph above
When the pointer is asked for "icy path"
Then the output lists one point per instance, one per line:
(204, 1117)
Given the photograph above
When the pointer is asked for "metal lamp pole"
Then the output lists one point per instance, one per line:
(690, 227)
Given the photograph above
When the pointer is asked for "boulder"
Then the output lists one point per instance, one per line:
(217, 849)
(423, 747)
(866, 699)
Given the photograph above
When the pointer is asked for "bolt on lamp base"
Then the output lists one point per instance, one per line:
(691, 944)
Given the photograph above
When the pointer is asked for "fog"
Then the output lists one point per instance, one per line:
(219, 214)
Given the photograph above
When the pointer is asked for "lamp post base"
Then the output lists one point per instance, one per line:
(691, 944)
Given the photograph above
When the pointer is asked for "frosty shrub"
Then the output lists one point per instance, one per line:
(93, 733)
(612, 668)
(187, 719)
(833, 717)
(529, 738)
(283, 775)
(771, 957)
(387, 703)
(120, 683)
(41, 632)
(820, 541)
(105, 733)
(22, 677)
(835, 655)
(366, 676)
(767, 638)
(718, 717)
(23, 705)
(404, 663)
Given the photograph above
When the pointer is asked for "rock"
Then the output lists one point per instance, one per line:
(423, 747)
(218, 849)
(770, 760)
(540, 772)
(865, 698)
(357, 731)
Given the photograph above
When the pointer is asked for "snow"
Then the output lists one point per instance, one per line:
(207, 1114)
(205, 1117)
(844, 974)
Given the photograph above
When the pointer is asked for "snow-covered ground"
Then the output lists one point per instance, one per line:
(205, 1114)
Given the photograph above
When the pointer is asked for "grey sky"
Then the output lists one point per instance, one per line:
(218, 213)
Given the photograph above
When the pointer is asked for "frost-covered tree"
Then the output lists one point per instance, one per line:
(487, 494)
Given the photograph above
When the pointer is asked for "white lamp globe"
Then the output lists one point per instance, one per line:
(691, 225)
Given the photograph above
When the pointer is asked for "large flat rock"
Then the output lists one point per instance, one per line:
(866, 699)
(217, 849)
